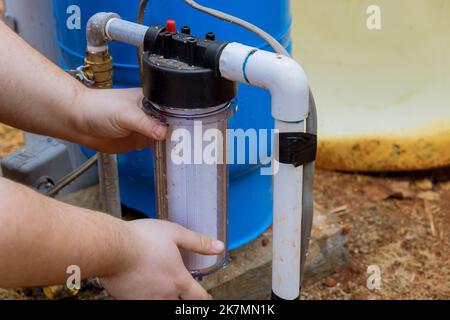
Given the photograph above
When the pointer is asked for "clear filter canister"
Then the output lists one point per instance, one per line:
(192, 179)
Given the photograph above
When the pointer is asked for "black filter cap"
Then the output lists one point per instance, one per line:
(182, 71)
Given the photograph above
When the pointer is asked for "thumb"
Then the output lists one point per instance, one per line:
(196, 242)
(135, 120)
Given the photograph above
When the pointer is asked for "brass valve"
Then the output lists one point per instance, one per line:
(99, 68)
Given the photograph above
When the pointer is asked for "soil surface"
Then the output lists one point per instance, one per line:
(10, 140)
(396, 224)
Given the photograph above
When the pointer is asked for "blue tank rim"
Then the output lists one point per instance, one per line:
(267, 223)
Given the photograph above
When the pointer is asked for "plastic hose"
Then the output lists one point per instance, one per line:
(64, 182)
(140, 20)
(308, 187)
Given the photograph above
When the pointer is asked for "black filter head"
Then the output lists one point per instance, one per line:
(182, 71)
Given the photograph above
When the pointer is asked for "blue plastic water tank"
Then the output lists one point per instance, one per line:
(250, 196)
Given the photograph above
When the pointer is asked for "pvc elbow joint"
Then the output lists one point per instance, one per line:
(281, 75)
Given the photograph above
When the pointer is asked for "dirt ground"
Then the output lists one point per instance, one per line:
(10, 140)
(399, 223)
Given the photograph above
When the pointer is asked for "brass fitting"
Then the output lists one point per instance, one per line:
(98, 66)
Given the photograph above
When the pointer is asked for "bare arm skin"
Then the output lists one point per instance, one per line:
(40, 237)
(38, 97)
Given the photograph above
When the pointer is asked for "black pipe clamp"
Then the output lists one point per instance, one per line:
(297, 148)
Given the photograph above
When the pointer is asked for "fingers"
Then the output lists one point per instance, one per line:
(194, 291)
(195, 242)
(134, 119)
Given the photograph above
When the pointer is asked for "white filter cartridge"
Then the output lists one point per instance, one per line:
(192, 181)
(192, 194)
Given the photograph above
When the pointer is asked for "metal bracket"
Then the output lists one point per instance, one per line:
(83, 76)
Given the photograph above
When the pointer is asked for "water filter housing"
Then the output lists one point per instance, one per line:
(247, 219)
(183, 88)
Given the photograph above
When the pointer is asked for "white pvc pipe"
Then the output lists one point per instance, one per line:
(289, 89)
(287, 214)
(126, 32)
(287, 222)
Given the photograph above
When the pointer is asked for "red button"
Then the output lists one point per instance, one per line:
(171, 26)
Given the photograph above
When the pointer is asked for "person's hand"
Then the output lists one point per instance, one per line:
(154, 268)
(110, 121)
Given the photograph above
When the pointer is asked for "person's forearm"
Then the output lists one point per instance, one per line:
(40, 237)
(44, 95)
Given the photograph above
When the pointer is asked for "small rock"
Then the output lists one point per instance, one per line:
(407, 245)
(376, 192)
(265, 242)
(429, 195)
(401, 191)
(345, 229)
(424, 184)
(53, 292)
(386, 237)
(354, 268)
(436, 249)
(341, 209)
(445, 186)
(329, 282)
